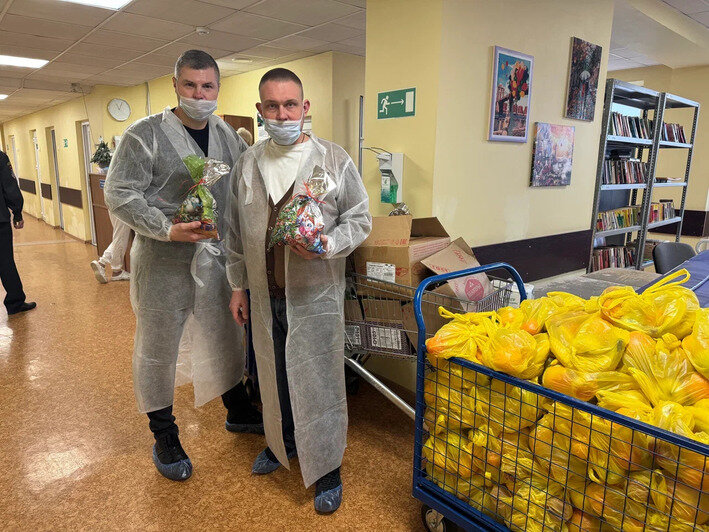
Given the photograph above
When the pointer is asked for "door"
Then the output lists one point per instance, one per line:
(56, 178)
(38, 172)
(88, 153)
(15, 168)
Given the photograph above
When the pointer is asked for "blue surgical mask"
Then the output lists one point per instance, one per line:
(283, 132)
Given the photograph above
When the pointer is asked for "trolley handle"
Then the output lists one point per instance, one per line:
(418, 296)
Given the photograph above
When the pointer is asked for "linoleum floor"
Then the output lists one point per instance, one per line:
(76, 455)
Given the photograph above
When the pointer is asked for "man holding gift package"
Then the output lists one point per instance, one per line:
(297, 289)
(178, 272)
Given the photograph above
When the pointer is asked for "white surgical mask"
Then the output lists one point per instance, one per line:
(283, 132)
(197, 109)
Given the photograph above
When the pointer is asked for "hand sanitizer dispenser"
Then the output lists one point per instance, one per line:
(391, 166)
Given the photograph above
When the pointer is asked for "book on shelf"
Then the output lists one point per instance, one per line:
(662, 210)
(630, 126)
(618, 218)
(673, 133)
(623, 171)
(612, 257)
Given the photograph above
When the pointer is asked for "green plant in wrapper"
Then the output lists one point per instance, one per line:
(200, 205)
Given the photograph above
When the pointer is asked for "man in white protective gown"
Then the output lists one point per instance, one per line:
(178, 276)
(297, 296)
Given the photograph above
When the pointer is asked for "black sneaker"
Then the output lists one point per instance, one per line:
(170, 458)
(328, 492)
(23, 308)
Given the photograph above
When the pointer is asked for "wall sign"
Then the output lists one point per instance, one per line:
(396, 104)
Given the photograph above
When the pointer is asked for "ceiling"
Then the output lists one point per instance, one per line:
(674, 33)
(89, 45)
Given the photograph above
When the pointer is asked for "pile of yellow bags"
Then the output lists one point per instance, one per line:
(537, 465)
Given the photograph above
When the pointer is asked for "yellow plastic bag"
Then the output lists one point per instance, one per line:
(450, 451)
(507, 408)
(632, 400)
(663, 371)
(456, 405)
(564, 458)
(516, 352)
(510, 317)
(540, 505)
(536, 314)
(696, 345)
(455, 484)
(461, 337)
(663, 308)
(586, 342)
(689, 466)
(700, 411)
(585, 386)
(460, 377)
(583, 522)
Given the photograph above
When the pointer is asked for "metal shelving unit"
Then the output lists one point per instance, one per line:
(607, 197)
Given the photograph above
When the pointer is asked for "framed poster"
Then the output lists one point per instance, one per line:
(553, 155)
(583, 79)
(511, 92)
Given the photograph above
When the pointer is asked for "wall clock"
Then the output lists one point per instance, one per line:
(119, 109)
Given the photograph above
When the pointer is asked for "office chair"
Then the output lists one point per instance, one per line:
(669, 255)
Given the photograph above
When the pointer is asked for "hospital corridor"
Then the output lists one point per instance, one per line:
(73, 448)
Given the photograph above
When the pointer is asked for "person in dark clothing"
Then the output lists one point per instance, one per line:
(10, 200)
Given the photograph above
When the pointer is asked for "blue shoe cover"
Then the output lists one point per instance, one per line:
(181, 470)
(329, 501)
(263, 465)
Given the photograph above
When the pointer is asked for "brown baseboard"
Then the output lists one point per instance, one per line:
(27, 185)
(539, 258)
(694, 223)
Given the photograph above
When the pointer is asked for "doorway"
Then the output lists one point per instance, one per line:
(15, 168)
(38, 173)
(54, 164)
(88, 153)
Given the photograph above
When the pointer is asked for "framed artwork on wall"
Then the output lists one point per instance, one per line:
(511, 92)
(583, 79)
(553, 155)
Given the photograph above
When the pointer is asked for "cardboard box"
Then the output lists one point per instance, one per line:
(382, 310)
(455, 257)
(395, 247)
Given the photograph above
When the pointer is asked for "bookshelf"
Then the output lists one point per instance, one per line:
(625, 175)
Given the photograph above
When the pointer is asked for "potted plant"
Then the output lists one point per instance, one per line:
(102, 156)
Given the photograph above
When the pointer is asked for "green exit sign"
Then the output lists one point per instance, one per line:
(396, 104)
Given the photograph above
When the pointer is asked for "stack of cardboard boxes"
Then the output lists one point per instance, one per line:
(401, 252)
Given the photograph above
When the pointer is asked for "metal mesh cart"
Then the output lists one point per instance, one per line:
(380, 321)
(493, 452)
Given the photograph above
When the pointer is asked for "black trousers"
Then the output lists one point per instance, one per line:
(8, 270)
(280, 332)
(163, 422)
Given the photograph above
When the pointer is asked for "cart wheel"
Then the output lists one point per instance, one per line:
(432, 520)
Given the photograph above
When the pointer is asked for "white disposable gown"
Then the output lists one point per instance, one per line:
(172, 282)
(314, 303)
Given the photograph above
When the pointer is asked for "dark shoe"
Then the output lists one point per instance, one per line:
(266, 462)
(170, 458)
(242, 416)
(24, 308)
(328, 492)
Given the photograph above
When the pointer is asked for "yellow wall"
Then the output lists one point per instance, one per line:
(403, 50)
(347, 87)
(238, 96)
(690, 83)
(481, 188)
